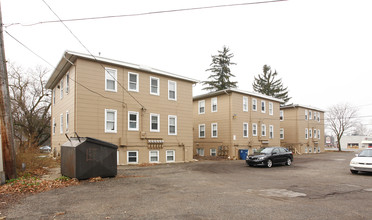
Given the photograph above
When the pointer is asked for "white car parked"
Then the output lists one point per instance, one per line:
(362, 162)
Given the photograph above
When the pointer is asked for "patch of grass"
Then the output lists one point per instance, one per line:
(63, 178)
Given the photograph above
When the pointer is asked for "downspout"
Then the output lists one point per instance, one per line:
(230, 122)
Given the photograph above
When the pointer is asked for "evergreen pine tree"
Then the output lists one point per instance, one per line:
(220, 68)
(268, 85)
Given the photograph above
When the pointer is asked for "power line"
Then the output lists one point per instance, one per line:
(143, 107)
(146, 13)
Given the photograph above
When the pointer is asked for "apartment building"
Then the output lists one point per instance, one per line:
(302, 128)
(145, 111)
(229, 120)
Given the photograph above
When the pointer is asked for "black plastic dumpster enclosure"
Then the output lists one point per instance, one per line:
(86, 157)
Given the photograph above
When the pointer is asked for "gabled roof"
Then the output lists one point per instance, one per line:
(302, 106)
(207, 95)
(69, 57)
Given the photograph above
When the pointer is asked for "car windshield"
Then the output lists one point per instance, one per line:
(365, 153)
(265, 150)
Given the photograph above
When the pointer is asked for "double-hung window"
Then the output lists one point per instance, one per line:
(54, 96)
(133, 82)
(254, 129)
(110, 121)
(306, 112)
(214, 132)
(271, 108)
(310, 117)
(263, 106)
(133, 121)
(282, 133)
(132, 157)
(281, 115)
(172, 90)
(201, 106)
(306, 133)
(172, 125)
(318, 116)
(154, 156)
(245, 103)
(214, 104)
(154, 86)
(271, 131)
(61, 89)
(315, 135)
(213, 152)
(61, 124)
(202, 131)
(254, 104)
(154, 122)
(318, 133)
(54, 126)
(245, 129)
(315, 115)
(263, 130)
(67, 120)
(170, 155)
(67, 82)
(110, 79)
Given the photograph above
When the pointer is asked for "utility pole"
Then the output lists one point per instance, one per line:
(6, 124)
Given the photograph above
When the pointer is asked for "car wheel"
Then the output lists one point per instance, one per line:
(289, 162)
(269, 163)
(354, 171)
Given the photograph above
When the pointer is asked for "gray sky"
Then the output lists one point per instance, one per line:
(322, 49)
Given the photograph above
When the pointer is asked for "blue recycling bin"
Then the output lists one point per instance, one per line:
(243, 153)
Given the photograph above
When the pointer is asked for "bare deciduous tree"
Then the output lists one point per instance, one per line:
(361, 130)
(30, 105)
(340, 118)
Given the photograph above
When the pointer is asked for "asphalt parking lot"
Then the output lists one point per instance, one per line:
(316, 186)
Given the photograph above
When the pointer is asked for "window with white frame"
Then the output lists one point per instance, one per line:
(263, 130)
(271, 108)
(172, 90)
(315, 134)
(154, 86)
(318, 116)
(213, 152)
(282, 133)
(132, 157)
(154, 156)
(263, 107)
(315, 113)
(67, 120)
(110, 79)
(245, 103)
(271, 131)
(61, 124)
(254, 104)
(110, 120)
(61, 89)
(202, 131)
(254, 129)
(67, 82)
(214, 104)
(318, 133)
(310, 115)
(306, 133)
(245, 129)
(133, 82)
(310, 133)
(54, 126)
(54, 96)
(214, 129)
(154, 122)
(201, 105)
(170, 155)
(172, 125)
(200, 151)
(306, 114)
(133, 121)
(281, 115)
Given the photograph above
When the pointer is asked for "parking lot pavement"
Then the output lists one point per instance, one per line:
(317, 186)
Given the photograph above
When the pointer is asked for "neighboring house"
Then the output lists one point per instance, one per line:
(355, 142)
(145, 111)
(230, 120)
(302, 128)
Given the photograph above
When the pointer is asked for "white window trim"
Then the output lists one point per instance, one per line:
(199, 130)
(67, 82)
(212, 102)
(61, 89)
(54, 126)
(137, 122)
(271, 108)
(310, 133)
(263, 130)
(67, 121)
(245, 124)
(157, 156)
(202, 149)
(61, 123)
(212, 130)
(263, 107)
(54, 96)
(282, 133)
(253, 129)
(215, 151)
(254, 105)
(128, 157)
(281, 117)
(153, 130)
(166, 156)
(310, 115)
(115, 121)
(306, 133)
(107, 73)
(175, 121)
(318, 116)
(306, 115)
(318, 133)
(158, 85)
(245, 103)
(175, 90)
(137, 82)
(200, 105)
(271, 130)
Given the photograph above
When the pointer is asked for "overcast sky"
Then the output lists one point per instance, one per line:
(322, 49)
